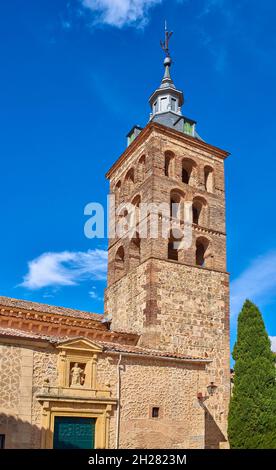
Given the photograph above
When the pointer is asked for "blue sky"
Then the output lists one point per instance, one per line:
(75, 76)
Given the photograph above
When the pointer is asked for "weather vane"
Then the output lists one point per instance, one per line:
(165, 44)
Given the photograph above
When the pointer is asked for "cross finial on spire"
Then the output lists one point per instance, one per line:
(165, 44)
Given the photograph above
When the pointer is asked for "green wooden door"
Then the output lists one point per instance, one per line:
(74, 433)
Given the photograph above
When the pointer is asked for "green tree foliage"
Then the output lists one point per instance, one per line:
(252, 414)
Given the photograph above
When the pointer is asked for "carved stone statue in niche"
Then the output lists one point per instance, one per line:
(77, 376)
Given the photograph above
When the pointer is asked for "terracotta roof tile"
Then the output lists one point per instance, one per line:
(116, 347)
(107, 346)
(44, 308)
(14, 333)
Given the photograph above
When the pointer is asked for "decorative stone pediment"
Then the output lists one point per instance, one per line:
(80, 345)
(77, 363)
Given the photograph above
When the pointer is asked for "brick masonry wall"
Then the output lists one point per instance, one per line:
(157, 188)
(177, 306)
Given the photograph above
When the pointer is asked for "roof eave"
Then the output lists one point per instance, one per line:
(164, 91)
(163, 358)
(223, 154)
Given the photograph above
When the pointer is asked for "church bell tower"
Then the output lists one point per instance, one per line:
(173, 293)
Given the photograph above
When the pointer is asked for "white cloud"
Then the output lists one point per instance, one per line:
(120, 13)
(94, 295)
(257, 283)
(224, 7)
(211, 5)
(66, 24)
(273, 343)
(65, 269)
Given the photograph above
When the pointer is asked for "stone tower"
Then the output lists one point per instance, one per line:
(174, 295)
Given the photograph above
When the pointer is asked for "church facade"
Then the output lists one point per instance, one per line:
(154, 370)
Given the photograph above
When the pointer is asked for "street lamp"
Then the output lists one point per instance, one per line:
(211, 388)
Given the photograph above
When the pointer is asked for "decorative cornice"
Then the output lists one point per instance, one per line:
(52, 318)
(56, 326)
(167, 131)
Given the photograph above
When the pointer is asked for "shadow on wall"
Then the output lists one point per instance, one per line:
(18, 434)
(213, 434)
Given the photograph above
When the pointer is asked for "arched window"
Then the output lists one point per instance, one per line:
(119, 263)
(125, 221)
(176, 203)
(200, 211)
(134, 252)
(209, 179)
(136, 210)
(185, 176)
(173, 243)
(202, 245)
(136, 201)
(118, 193)
(169, 164)
(142, 168)
(188, 171)
(196, 213)
(129, 182)
(172, 252)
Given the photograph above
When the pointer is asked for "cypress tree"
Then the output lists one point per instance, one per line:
(252, 414)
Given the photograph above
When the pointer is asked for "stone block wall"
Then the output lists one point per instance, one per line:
(173, 389)
(145, 383)
(179, 308)
(16, 376)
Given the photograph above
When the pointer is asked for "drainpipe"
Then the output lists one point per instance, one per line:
(118, 402)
